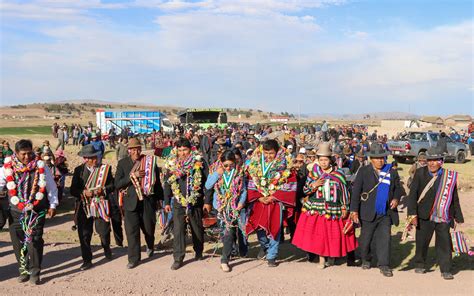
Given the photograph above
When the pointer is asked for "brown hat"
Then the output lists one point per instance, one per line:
(324, 150)
(347, 150)
(134, 143)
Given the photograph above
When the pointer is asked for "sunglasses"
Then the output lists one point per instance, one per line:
(228, 165)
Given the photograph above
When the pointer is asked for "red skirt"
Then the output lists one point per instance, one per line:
(324, 237)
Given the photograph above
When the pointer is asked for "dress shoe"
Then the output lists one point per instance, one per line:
(23, 278)
(131, 265)
(272, 263)
(386, 271)
(365, 265)
(86, 266)
(108, 253)
(34, 279)
(420, 270)
(150, 252)
(176, 265)
(447, 275)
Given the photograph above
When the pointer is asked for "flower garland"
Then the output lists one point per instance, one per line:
(190, 167)
(228, 189)
(18, 177)
(213, 167)
(269, 177)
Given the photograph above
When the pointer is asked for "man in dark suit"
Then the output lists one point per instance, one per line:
(79, 190)
(424, 205)
(190, 213)
(205, 147)
(375, 195)
(139, 214)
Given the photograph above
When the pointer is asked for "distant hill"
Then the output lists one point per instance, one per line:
(365, 116)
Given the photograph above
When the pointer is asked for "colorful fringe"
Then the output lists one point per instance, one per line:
(148, 163)
(28, 220)
(444, 197)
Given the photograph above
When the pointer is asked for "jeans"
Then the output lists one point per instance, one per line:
(270, 245)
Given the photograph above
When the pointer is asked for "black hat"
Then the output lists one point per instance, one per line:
(434, 153)
(377, 150)
(88, 151)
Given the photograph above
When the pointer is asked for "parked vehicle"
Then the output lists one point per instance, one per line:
(414, 143)
(138, 122)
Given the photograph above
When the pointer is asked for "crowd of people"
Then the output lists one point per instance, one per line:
(315, 184)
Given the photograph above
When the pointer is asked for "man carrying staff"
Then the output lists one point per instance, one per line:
(433, 206)
(92, 185)
(185, 178)
(139, 185)
(375, 195)
(32, 193)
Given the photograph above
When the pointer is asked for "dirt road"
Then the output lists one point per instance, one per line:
(249, 276)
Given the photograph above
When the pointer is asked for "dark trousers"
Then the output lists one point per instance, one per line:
(179, 231)
(85, 230)
(424, 233)
(228, 241)
(380, 230)
(34, 251)
(4, 215)
(116, 219)
(144, 218)
(291, 226)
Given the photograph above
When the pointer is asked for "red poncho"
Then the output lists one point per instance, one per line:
(271, 216)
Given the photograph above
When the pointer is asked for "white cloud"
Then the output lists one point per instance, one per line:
(237, 53)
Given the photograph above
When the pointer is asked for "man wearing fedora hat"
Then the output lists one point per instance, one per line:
(433, 206)
(139, 208)
(375, 195)
(359, 161)
(90, 181)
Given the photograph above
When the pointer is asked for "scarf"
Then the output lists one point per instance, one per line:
(383, 190)
(149, 164)
(444, 197)
(97, 207)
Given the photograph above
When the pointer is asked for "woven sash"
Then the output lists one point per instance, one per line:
(444, 197)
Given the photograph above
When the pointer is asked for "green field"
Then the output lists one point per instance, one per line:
(37, 130)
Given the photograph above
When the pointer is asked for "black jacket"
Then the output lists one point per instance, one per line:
(301, 176)
(79, 180)
(205, 195)
(366, 179)
(423, 208)
(122, 181)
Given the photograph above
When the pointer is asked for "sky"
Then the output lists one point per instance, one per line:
(308, 56)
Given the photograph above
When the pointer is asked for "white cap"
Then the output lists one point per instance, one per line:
(303, 150)
(290, 147)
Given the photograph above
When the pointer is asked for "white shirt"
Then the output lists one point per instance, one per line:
(51, 188)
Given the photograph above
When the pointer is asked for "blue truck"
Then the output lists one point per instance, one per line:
(138, 122)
